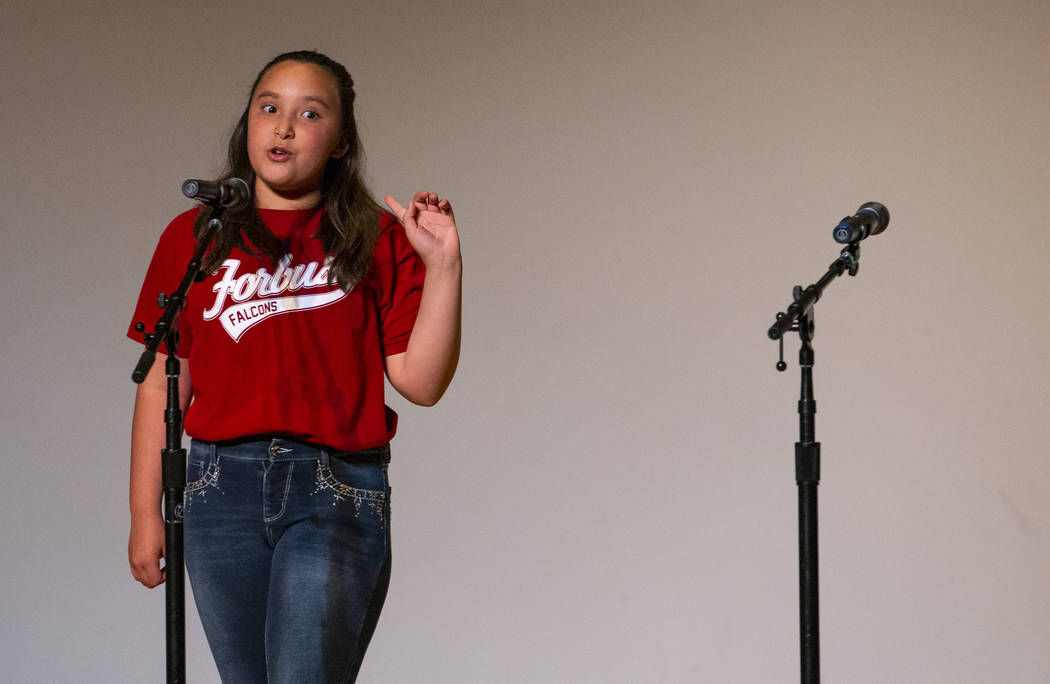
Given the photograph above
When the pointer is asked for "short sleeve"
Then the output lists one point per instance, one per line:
(166, 269)
(399, 285)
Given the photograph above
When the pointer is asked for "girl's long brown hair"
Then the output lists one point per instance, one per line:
(350, 224)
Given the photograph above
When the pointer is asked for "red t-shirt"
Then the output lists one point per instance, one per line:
(276, 350)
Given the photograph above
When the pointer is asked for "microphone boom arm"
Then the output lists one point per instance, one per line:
(849, 260)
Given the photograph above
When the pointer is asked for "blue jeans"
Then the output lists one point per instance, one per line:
(288, 552)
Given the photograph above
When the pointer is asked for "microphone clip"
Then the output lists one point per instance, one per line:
(851, 256)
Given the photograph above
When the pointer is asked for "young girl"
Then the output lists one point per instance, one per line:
(313, 292)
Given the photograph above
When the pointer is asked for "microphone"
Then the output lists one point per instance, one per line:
(231, 193)
(871, 219)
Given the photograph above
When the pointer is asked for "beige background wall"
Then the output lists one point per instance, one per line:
(607, 493)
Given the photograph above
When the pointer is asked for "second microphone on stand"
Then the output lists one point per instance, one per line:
(871, 219)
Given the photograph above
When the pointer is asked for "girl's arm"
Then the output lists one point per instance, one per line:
(424, 370)
(146, 541)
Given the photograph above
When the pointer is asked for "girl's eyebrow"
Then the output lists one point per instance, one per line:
(307, 98)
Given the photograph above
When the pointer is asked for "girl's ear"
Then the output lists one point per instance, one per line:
(340, 149)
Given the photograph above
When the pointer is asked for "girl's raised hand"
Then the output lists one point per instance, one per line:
(430, 227)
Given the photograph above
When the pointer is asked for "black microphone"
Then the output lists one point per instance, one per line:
(871, 219)
(231, 193)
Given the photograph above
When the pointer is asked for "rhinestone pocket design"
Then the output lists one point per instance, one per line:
(201, 486)
(370, 499)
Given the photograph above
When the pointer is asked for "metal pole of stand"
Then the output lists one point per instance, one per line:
(173, 466)
(807, 476)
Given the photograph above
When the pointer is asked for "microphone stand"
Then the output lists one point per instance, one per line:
(173, 456)
(799, 317)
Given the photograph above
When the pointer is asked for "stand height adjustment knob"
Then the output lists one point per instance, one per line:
(781, 366)
(164, 301)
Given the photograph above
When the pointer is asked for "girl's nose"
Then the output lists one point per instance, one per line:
(284, 130)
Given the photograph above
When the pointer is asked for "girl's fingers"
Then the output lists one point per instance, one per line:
(395, 206)
(428, 201)
(422, 201)
(149, 576)
(403, 214)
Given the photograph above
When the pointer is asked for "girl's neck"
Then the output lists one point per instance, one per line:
(268, 198)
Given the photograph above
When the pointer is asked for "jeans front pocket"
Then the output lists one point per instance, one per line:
(362, 486)
(202, 471)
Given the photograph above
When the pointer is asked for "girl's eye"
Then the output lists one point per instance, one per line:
(311, 114)
(269, 108)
